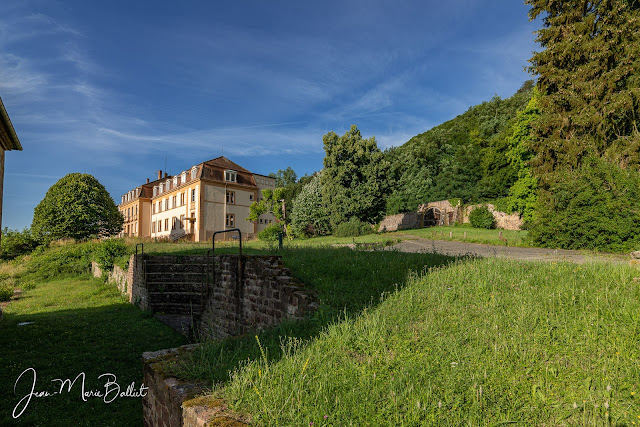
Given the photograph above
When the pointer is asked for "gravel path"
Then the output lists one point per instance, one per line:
(449, 247)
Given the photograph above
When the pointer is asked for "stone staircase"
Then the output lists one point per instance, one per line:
(177, 288)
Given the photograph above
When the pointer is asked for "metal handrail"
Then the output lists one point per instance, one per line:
(213, 239)
(141, 250)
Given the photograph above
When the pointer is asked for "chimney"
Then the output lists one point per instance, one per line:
(166, 174)
(160, 174)
(147, 180)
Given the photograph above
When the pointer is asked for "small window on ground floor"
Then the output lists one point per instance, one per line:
(231, 220)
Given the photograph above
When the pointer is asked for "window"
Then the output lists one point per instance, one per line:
(230, 176)
(159, 205)
(166, 224)
(136, 210)
(174, 221)
(270, 221)
(231, 197)
(175, 181)
(231, 220)
(174, 202)
(250, 197)
(129, 213)
(194, 170)
(167, 185)
(153, 208)
(181, 199)
(166, 204)
(181, 221)
(261, 221)
(184, 177)
(193, 195)
(153, 227)
(159, 226)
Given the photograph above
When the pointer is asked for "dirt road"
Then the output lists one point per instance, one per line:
(448, 247)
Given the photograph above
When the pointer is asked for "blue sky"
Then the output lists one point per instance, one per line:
(114, 88)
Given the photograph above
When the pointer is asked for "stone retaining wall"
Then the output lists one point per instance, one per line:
(402, 221)
(504, 220)
(265, 295)
(171, 402)
(129, 282)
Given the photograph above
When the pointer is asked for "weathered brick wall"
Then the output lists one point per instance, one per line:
(401, 222)
(130, 282)
(236, 300)
(504, 220)
(171, 402)
(266, 295)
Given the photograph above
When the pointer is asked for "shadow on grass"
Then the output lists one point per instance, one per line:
(63, 344)
(345, 281)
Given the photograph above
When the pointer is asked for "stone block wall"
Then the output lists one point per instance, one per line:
(240, 297)
(265, 295)
(401, 222)
(129, 282)
(172, 402)
(504, 220)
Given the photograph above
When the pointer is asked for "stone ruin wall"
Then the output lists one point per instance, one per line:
(403, 221)
(503, 220)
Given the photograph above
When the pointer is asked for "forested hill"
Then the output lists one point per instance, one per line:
(466, 157)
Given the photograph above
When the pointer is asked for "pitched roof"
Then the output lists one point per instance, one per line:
(214, 170)
(8, 138)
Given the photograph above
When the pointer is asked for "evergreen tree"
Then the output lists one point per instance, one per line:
(589, 73)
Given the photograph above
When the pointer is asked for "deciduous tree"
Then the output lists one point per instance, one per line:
(354, 180)
(77, 206)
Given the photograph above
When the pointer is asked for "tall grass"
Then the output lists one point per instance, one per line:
(343, 280)
(483, 342)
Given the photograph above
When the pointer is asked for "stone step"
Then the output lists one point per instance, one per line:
(176, 276)
(176, 259)
(175, 297)
(187, 268)
(177, 286)
(174, 308)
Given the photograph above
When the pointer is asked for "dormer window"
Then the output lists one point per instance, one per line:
(175, 181)
(184, 177)
(155, 191)
(230, 176)
(168, 184)
(194, 171)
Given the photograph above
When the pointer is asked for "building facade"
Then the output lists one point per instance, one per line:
(8, 141)
(212, 196)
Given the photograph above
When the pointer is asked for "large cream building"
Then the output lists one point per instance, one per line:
(212, 196)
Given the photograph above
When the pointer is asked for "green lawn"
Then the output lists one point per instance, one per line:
(345, 281)
(484, 342)
(473, 235)
(76, 325)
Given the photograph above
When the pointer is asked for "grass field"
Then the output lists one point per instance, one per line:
(345, 281)
(473, 235)
(484, 342)
(62, 328)
(399, 339)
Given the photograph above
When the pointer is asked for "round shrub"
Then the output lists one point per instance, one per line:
(352, 228)
(270, 234)
(481, 217)
(108, 251)
(6, 292)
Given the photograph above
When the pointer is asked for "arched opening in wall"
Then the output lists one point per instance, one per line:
(433, 216)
